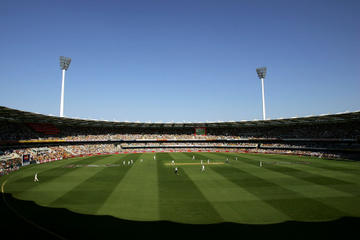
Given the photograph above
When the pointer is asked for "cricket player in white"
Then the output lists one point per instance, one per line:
(36, 178)
(172, 162)
(154, 157)
(260, 163)
(203, 168)
(193, 157)
(208, 161)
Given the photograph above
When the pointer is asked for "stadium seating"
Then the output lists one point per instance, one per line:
(44, 128)
(332, 136)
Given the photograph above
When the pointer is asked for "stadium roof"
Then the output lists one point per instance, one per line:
(9, 114)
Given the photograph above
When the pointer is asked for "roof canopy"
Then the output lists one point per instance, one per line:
(8, 114)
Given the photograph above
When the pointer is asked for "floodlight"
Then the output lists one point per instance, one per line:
(261, 74)
(64, 62)
(64, 65)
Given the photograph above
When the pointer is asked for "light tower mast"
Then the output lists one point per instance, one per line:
(64, 65)
(261, 74)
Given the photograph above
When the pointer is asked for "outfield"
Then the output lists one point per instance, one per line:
(285, 188)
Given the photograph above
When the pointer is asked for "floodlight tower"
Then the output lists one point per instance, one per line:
(261, 74)
(64, 65)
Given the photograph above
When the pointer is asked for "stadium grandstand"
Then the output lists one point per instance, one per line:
(47, 138)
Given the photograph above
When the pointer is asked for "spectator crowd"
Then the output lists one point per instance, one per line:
(154, 139)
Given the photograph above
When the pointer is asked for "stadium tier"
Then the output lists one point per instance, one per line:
(46, 138)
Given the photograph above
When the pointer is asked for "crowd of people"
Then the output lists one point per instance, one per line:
(103, 138)
(10, 131)
(185, 144)
(9, 164)
(85, 149)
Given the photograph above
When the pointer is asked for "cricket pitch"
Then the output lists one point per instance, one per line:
(197, 163)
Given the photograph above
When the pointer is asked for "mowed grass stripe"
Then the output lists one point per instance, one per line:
(289, 202)
(292, 169)
(350, 205)
(300, 172)
(345, 166)
(300, 185)
(136, 196)
(91, 194)
(232, 202)
(340, 174)
(341, 200)
(339, 169)
(47, 190)
(179, 198)
(46, 173)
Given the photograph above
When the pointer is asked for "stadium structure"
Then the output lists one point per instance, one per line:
(302, 171)
(334, 133)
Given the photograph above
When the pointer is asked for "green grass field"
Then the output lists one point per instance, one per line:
(285, 188)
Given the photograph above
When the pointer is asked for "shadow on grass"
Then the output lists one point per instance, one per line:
(20, 219)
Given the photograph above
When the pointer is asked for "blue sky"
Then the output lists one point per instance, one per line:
(186, 60)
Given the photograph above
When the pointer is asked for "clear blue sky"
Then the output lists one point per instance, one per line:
(186, 60)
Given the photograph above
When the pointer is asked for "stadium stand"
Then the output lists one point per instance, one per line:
(47, 129)
(49, 138)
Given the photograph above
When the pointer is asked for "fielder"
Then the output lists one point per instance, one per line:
(176, 171)
(202, 168)
(36, 178)
(154, 157)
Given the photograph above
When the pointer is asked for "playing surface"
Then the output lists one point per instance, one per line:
(284, 188)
